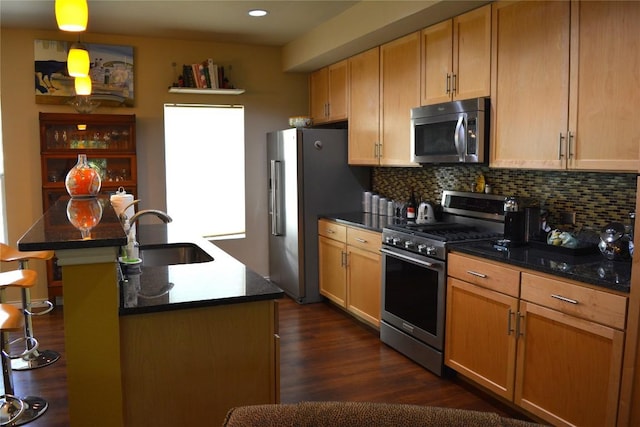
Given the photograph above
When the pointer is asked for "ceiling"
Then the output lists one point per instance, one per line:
(219, 20)
(312, 33)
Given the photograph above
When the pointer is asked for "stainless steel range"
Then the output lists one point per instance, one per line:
(414, 272)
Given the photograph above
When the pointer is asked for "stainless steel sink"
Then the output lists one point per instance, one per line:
(172, 254)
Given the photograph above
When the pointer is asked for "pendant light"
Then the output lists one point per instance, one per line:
(83, 85)
(78, 60)
(72, 15)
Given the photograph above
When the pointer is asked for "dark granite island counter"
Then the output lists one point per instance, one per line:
(214, 343)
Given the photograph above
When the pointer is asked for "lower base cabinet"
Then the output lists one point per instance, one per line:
(349, 269)
(189, 367)
(552, 347)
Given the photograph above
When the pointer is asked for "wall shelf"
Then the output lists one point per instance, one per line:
(206, 91)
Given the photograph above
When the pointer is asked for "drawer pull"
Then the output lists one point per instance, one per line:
(360, 240)
(565, 299)
(330, 231)
(474, 273)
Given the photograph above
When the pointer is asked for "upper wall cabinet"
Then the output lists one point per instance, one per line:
(329, 93)
(562, 85)
(364, 108)
(605, 86)
(399, 92)
(456, 58)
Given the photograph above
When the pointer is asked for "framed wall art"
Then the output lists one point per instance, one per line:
(111, 73)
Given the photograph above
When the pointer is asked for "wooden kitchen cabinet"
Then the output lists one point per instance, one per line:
(329, 93)
(482, 302)
(573, 338)
(108, 140)
(349, 269)
(332, 264)
(456, 58)
(364, 108)
(604, 86)
(530, 87)
(560, 94)
(555, 350)
(364, 278)
(399, 93)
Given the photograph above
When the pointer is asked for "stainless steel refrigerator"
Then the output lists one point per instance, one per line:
(308, 176)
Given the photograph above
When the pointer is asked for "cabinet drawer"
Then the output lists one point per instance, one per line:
(591, 304)
(332, 230)
(485, 273)
(363, 239)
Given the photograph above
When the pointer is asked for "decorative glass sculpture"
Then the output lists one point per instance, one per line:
(83, 180)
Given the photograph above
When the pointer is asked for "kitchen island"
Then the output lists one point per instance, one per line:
(152, 349)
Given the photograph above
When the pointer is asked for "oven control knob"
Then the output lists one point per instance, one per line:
(431, 250)
(388, 240)
(409, 244)
(422, 248)
(395, 241)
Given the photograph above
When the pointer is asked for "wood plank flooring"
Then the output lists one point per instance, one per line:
(325, 355)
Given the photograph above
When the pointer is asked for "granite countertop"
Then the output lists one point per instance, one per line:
(364, 220)
(593, 268)
(54, 230)
(224, 280)
(590, 268)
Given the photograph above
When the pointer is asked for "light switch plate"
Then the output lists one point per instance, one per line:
(568, 218)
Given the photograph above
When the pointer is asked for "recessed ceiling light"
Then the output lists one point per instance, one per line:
(257, 12)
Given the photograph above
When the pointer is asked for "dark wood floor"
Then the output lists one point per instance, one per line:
(325, 355)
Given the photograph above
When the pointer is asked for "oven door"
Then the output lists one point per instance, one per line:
(413, 295)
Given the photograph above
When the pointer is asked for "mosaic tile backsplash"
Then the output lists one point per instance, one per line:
(596, 198)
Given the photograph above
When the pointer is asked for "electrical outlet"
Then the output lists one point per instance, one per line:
(568, 218)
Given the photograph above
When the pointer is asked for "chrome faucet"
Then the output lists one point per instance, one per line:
(131, 249)
(162, 215)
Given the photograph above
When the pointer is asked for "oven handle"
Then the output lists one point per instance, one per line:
(407, 258)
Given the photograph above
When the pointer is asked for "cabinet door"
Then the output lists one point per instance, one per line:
(437, 67)
(338, 91)
(364, 284)
(530, 87)
(400, 91)
(318, 94)
(472, 54)
(332, 270)
(480, 331)
(364, 107)
(605, 44)
(568, 369)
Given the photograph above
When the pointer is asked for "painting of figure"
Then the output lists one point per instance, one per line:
(111, 72)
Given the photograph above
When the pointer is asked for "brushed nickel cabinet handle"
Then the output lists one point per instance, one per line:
(454, 84)
(564, 299)
(569, 143)
(360, 240)
(509, 328)
(474, 273)
(560, 153)
(448, 83)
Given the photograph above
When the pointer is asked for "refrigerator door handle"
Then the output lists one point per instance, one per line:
(276, 197)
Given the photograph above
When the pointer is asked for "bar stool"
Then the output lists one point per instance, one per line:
(37, 358)
(15, 411)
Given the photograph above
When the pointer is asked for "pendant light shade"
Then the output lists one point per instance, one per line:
(78, 61)
(72, 15)
(83, 85)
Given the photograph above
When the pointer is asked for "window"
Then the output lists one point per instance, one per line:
(204, 157)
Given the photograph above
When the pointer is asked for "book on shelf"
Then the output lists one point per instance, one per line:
(204, 75)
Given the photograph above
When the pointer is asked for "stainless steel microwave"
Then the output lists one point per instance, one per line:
(452, 132)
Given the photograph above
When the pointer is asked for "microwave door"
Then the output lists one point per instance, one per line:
(460, 138)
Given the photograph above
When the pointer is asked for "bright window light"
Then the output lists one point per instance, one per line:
(204, 157)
